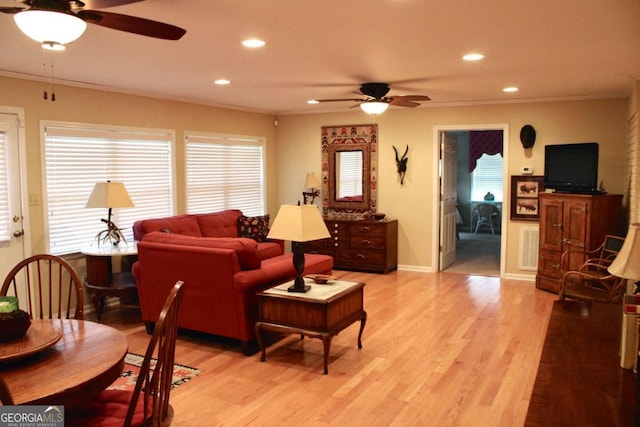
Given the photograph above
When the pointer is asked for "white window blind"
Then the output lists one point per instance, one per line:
(225, 173)
(5, 209)
(78, 156)
(487, 177)
(350, 179)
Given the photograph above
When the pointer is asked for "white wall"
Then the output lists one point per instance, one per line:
(602, 121)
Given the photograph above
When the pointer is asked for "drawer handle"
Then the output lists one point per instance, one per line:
(559, 225)
(336, 244)
(361, 256)
(556, 266)
(366, 242)
(365, 228)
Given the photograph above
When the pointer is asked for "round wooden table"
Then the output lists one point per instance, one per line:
(85, 360)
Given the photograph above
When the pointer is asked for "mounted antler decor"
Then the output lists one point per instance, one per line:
(402, 163)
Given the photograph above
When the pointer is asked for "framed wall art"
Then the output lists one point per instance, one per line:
(524, 197)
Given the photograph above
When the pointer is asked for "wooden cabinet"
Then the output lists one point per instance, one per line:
(576, 222)
(360, 245)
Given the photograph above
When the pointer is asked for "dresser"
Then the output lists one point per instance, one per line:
(577, 222)
(360, 245)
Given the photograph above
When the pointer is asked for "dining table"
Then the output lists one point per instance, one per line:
(62, 361)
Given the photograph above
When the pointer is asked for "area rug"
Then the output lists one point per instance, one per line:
(132, 364)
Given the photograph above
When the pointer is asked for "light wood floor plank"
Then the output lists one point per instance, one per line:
(441, 349)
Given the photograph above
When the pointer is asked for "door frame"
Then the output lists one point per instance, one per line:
(24, 193)
(435, 226)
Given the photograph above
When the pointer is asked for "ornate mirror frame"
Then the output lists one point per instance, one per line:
(336, 139)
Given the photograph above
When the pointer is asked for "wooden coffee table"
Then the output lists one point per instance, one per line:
(322, 312)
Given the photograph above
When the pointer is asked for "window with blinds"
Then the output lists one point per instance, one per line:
(487, 177)
(5, 215)
(350, 175)
(225, 173)
(78, 156)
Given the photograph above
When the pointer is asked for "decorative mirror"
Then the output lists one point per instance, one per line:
(349, 170)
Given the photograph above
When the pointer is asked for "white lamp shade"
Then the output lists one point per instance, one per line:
(50, 27)
(374, 107)
(109, 195)
(311, 181)
(298, 224)
(627, 262)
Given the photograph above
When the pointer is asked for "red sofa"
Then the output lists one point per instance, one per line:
(222, 271)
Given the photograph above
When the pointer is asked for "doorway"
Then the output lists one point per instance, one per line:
(478, 243)
(13, 222)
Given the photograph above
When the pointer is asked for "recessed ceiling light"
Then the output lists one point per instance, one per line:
(473, 57)
(510, 89)
(253, 43)
(313, 101)
(222, 82)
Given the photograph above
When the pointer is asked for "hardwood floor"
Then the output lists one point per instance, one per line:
(438, 350)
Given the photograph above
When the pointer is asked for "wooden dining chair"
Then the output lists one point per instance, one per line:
(5, 394)
(49, 284)
(148, 404)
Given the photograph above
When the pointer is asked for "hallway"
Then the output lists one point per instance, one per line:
(477, 254)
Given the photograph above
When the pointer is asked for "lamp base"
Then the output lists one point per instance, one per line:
(298, 265)
(303, 289)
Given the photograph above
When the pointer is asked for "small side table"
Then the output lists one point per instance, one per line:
(101, 281)
(322, 312)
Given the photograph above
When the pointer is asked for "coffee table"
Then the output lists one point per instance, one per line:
(322, 312)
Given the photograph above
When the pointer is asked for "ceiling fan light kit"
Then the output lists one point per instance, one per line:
(52, 29)
(374, 107)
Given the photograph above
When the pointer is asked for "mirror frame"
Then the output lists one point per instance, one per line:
(366, 171)
(349, 138)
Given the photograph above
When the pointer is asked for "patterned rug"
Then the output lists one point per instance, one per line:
(132, 363)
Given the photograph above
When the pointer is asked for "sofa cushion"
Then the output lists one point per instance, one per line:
(280, 269)
(186, 225)
(219, 224)
(269, 249)
(254, 227)
(246, 249)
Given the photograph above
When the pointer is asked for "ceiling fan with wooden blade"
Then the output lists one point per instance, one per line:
(376, 93)
(116, 21)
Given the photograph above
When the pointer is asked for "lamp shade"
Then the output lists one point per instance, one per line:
(301, 223)
(374, 107)
(109, 195)
(311, 181)
(627, 262)
(50, 27)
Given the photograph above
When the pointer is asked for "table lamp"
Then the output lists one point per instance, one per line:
(310, 183)
(301, 223)
(109, 195)
(627, 262)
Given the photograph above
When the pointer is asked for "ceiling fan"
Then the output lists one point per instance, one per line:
(42, 19)
(376, 100)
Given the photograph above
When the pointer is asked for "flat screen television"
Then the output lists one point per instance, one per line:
(571, 168)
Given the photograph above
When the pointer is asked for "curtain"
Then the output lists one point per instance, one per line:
(481, 142)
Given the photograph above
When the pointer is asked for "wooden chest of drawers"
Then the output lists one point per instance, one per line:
(360, 245)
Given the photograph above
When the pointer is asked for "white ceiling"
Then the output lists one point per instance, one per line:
(550, 49)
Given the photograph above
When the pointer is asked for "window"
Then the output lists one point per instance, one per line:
(225, 173)
(487, 177)
(77, 156)
(5, 221)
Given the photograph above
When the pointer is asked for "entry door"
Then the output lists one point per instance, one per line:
(12, 248)
(448, 198)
